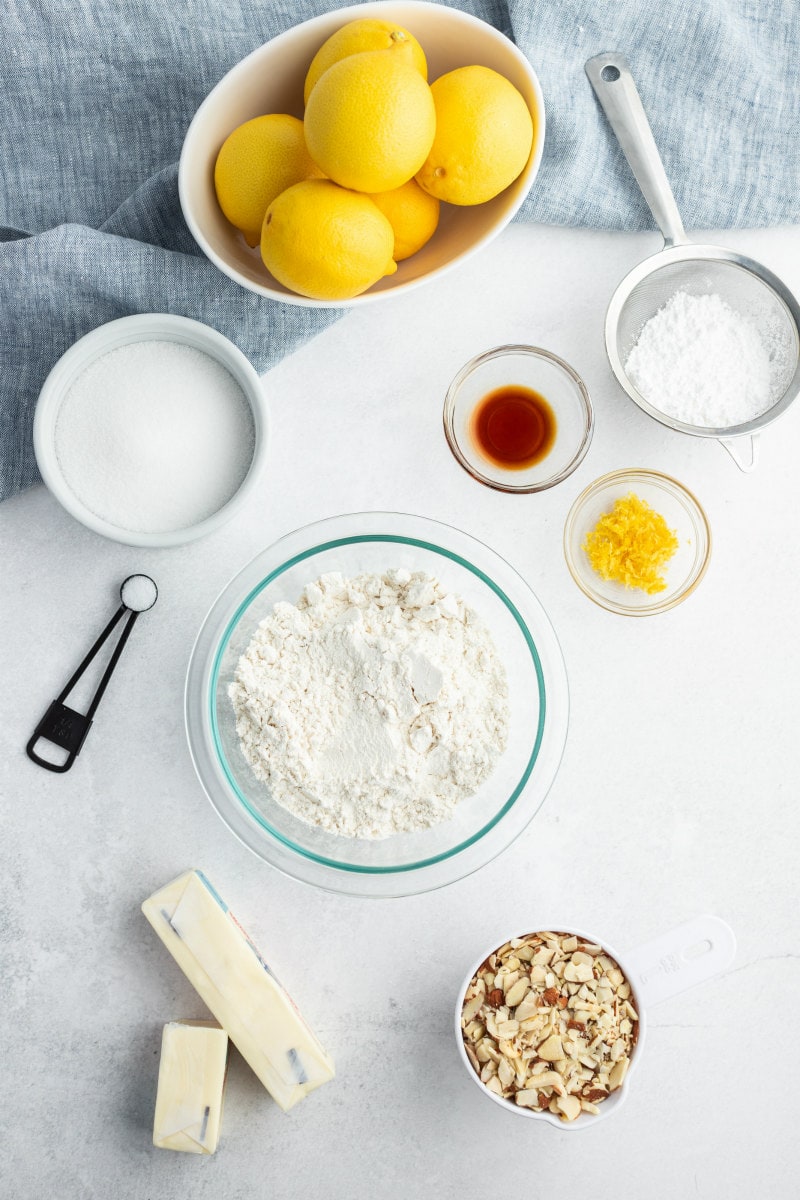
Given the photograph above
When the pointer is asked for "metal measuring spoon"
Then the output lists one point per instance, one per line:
(63, 725)
(747, 286)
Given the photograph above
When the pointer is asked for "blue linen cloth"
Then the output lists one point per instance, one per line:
(97, 95)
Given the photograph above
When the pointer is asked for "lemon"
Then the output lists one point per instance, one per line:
(370, 120)
(256, 162)
(412, 214)
(326, 242)
(358, 36)
(484, 134)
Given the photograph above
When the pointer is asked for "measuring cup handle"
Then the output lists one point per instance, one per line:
(732, 446)
(689, 954)
(610, 76)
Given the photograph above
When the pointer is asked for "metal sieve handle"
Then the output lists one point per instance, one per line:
(610, 76)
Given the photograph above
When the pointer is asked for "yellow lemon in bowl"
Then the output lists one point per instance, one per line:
(370, 120)
(367, 33)
(326, 242)
(412, 214)
(484, 134)
(258, 161)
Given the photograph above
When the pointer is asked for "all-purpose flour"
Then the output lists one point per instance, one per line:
(372, 706)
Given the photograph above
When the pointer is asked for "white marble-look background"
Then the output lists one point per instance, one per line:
(678, 794)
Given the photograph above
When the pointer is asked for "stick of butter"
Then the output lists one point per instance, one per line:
(259, 1016)
(191, 1086)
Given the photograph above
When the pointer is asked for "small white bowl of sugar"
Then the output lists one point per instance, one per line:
(152, 430)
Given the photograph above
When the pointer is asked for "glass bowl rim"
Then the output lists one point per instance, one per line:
(693, 508)
(523, 349)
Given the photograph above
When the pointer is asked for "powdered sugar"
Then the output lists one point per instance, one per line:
(701, 362)
(372, 706)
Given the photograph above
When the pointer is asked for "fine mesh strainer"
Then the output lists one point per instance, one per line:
(747, 286)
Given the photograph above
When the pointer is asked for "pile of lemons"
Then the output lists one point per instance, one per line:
(336, 200)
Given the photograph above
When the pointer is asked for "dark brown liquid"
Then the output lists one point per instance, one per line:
(514, 427)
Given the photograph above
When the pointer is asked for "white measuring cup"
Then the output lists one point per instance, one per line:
(685, 956)
(747, 286)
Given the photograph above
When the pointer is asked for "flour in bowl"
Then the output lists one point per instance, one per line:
(373, 705)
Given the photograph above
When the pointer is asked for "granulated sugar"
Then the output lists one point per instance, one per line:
(154, 436)
(700, 361)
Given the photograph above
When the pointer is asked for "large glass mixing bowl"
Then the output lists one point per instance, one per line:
(483, 824)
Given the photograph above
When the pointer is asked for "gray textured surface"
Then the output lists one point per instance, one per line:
(677, 795)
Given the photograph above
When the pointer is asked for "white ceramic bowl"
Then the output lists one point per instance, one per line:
(123, 332)
(271, 80)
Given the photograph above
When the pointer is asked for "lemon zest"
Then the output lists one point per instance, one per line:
(631, 545)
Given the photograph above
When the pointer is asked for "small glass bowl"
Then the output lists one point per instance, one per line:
(682, 513)
(529, 367)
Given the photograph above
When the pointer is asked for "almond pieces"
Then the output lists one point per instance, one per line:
(548, 1024)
